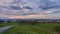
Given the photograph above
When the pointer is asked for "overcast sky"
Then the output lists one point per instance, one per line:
(28, 9)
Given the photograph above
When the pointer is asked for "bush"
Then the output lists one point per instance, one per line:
(57, 28)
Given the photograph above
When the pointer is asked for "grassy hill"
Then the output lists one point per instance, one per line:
(32, 29)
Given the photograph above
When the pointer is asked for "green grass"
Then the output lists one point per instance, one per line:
(31, 29)
(7, 24)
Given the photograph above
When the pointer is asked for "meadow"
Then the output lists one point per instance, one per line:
(32, 29)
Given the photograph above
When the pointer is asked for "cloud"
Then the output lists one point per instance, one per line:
(5, 2)
(50, 11)
(15, 8)
(29, 8)
(30, 16)
(51, 7)
(49, 4)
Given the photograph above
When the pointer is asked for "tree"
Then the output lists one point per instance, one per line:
(1, 21)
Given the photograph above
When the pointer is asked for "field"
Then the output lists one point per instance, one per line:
(2, 25)
(32, 29)
(7, 24)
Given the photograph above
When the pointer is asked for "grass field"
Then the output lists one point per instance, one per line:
(7, 24)
(32, 29)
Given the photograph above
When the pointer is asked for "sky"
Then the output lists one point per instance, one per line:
(30, 9)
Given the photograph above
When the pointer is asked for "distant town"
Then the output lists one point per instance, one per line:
(30, 20)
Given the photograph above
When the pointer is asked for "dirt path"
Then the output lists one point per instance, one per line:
(4, 28)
